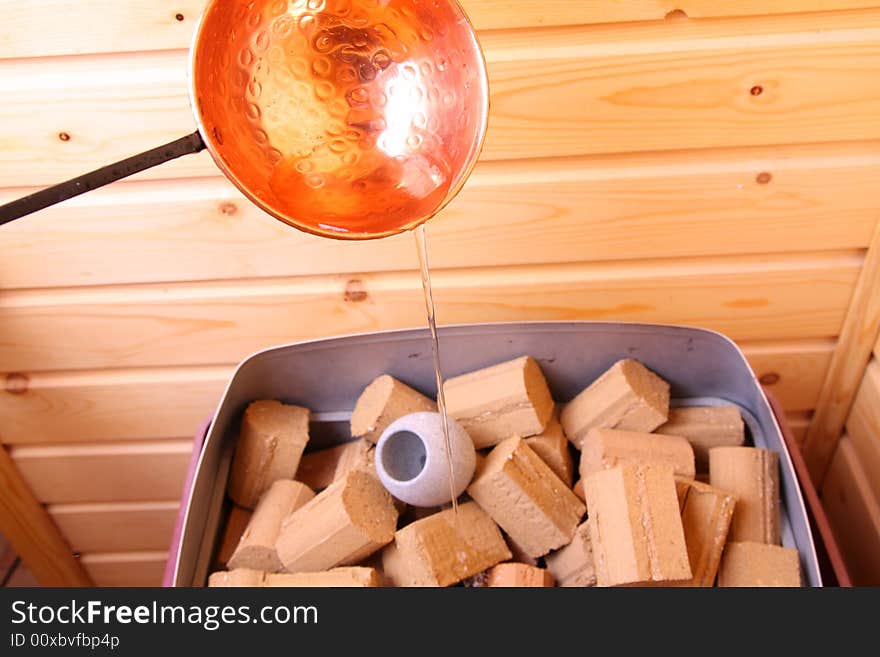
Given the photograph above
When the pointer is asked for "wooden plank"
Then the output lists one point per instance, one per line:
(798, 423)
(108, 405)
(694, 88)
(857, 338)
(854, 514)
(96, 527)
(716, 202)
(126, 568)
(31, 532)
(108, 472)
(773, 297)
(22, 577)
(98, 26)
(792, 371)
(63, 407)
(555, 92)
(863, 425)
(8, 559)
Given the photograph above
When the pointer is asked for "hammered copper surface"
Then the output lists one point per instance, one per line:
(346, 118)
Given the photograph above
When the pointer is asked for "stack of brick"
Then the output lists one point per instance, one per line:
(635, 510)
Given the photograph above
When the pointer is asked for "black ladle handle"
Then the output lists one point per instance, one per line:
(192, 143)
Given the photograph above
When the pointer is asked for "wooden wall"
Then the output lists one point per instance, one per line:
(851, 492)
(684, 161)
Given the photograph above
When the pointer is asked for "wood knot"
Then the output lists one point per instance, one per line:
(764, 177)
(178, 17)
(676, 15)
(355, 291)
(757, 90)
(769, 379)
(64, 136)
(228, 208)
(17, 383)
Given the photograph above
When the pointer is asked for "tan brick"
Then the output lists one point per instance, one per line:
(526, 499)
(256, 549)
(236, 522)
(269, 447)
(518, 575)
(382, 402)
(758, 564)
(635, 526)
(578, 490)
(344, 577)
(705, 427)
(752, 475)
(628, 396)
(240, 577)
(442, 549)
(553, 448)
(572, 565)
(608, 448)
(348, 521)
(706, 513)
(319, 469)
(495, 403)
(518, 554)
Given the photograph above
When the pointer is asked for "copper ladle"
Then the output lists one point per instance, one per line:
(351, 119)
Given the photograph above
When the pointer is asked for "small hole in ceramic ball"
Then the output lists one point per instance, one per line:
(404, 455)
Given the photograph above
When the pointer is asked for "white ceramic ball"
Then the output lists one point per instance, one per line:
(411, 459)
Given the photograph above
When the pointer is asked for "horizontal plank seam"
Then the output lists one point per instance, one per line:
(454, 278)
(170, 446)
(510, 172)
(98, 508)
(626, 38)
(95, 558)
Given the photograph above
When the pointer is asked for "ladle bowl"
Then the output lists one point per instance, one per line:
(351, 119)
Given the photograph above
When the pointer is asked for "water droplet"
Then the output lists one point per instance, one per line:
(246, 57)
(315, 180)
(442, 64)
(278, 7)
(420, 120)
(335, 128)
(260, 136)
(414, 141)
(350, 157)
(254, 19)
(304, 166)
(275, 156)
(315, 5)
(426, 33)
(338, 146)
(255, 89)
(426, 68)
(409, 72)
(448, 98)
(379, 99)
